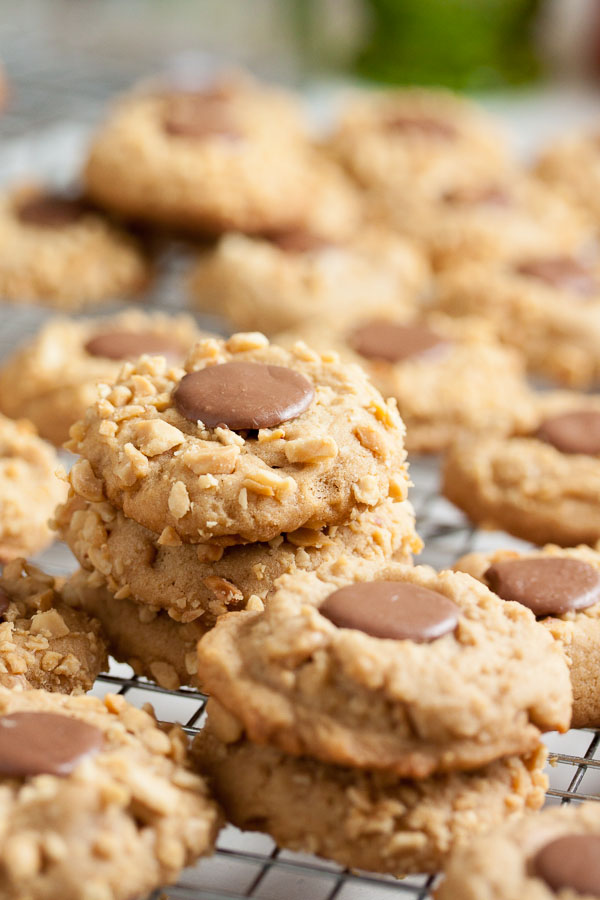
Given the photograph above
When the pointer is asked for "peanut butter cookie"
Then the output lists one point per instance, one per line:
(417, 140)
(29, 489)
(285, 280)
(498, 218)
(43, 642)
(545, 487)
(234, 156)
(51, 380)
(146, 638)
(366, 820)
(450, 379)
(203, 581)
(58, 251)
(97, 800)
(388, 667)
(562, 588)
(245, 442)
(546, 306)
(554, 854)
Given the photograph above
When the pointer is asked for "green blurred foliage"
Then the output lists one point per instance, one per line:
(467, 44)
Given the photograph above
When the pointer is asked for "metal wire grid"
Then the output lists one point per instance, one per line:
(250, 865)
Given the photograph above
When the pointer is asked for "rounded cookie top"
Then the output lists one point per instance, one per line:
(203, 581)
(562, 589)
(543, 303)
(245, 442)
(330, 810)
(232, 156)
(58, 250)
(499, 216)
(51, 380)
(449, 378)
(98, 774)
(388, 667)
(553, 854)
(283, 280)
(416, 139)
(43, 642)
(29, 489)
(544, 487)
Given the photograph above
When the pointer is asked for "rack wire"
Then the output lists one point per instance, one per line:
(245, 865)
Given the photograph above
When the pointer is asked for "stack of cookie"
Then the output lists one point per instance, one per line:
(200, 485)
(379, 714)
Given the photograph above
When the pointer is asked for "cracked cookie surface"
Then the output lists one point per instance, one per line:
(483, 688)
(167, 471)
(43, 642)
(118, 813)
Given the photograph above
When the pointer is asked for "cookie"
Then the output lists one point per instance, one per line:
(245, 442)
(361, 819)
(203, 581)
(450, 379)
(29, 489)
(234, 156)
(417, 140)
(545, 306)
(332, 670)
(553, 854)
(545, 487)
(569, 166)
(496, 219)
(58, 251)
(43, 642)
(146, 638)
(278, 282)
(97, 800)
(51, 380)
(562, 589)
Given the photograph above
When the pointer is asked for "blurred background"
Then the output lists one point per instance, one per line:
(80, 53)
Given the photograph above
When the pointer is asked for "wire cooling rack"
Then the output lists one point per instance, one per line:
(245, 865)
(248, 865)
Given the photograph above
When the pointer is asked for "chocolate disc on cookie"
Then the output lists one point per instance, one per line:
(426, 126)
(4, 602)
(491, 195)
(573, 432)
(51, 210)
(131, 344)
(396, 610)
(562, 272)
(391, 342)
(243, 395)
(298, 241)
(40, 743)
(199, 116)
(548, 586)
(570, 863)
